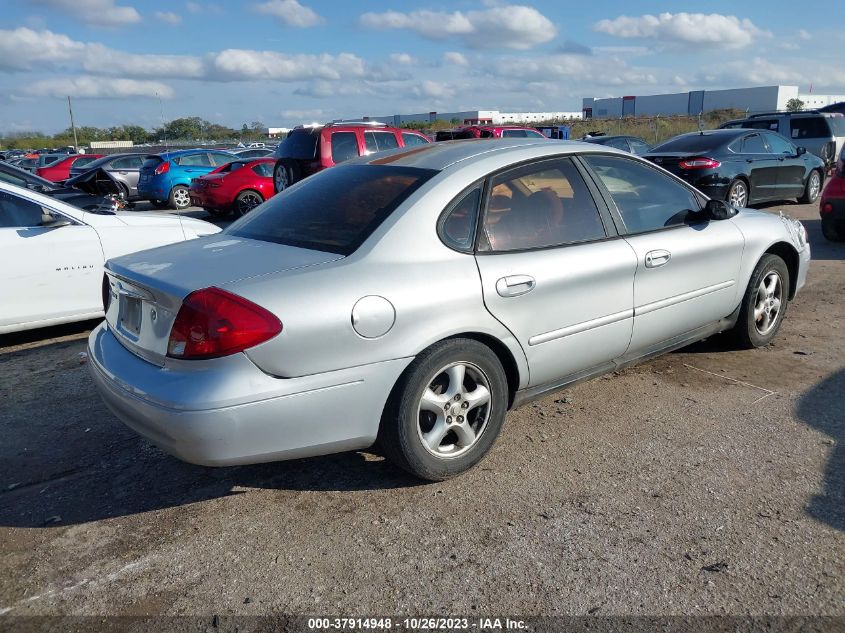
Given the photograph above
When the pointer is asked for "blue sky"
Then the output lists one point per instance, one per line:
(283, 62)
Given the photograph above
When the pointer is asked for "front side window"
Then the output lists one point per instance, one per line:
(754, 144)
(383, 140)
(221, 159)
(540, 205)
(646, 198)
(344, 146)
(17, 212)
(335, 210)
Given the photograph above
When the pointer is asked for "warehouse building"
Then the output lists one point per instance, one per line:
(475, 117)
(694, 102)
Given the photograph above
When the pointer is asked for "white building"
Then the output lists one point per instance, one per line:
(472, 117)
(694, 102)
(274, 132)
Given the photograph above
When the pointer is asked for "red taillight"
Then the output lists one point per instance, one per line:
(699, 163)
(213, 323)
(163, 168)
(827, 208)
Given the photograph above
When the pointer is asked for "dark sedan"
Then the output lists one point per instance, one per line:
(89, 196)
(124, 168)
(632, 144)
(742, 166)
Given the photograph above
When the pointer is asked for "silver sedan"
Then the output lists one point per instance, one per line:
(415, 296)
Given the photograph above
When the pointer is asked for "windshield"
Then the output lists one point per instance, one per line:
(335, 210)
(693, 143)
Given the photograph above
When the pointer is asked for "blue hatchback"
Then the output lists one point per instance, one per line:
(166, 178)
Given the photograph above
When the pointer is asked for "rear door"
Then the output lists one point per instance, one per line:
(127, 170)
(553, 271)
(686, 268)
(761, 166)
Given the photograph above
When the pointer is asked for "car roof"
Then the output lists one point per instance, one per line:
(439, 156)
(184, 152)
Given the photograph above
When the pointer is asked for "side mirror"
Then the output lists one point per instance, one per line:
(799, 151)
(719, 210)
(50, 221)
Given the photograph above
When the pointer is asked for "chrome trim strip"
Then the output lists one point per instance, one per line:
(669, 301)
(580, 327)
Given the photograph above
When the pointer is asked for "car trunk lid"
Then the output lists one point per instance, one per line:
(145, 290)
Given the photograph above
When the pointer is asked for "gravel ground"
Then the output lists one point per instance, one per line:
(709, 481)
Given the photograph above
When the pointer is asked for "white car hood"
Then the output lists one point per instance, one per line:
(192, 227)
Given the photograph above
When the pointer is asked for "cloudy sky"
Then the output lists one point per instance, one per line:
(286, 61)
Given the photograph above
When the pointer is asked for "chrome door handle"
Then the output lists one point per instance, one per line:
(515, 285)
(653, 259)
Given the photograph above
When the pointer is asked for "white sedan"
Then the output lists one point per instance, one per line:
(52, 254)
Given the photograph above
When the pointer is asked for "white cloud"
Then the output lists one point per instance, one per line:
(87, 87)
(761, 71)
(804, 35)
(238, 64)
(454, 58)
(193, 7)
(507, 26)
(321, 89)
(726, 31)
(289, 12)
(95, 12)
(168, 17)
(583, 69)
(434, 90)
(402, 58)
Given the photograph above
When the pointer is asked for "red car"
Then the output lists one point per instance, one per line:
(832, 203)
(60, 170)
(499, 131)
(236, 187)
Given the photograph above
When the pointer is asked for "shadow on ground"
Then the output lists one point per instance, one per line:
(821, 408)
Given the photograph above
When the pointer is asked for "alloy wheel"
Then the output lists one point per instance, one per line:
(738, 195)
(280, 179)
(454, 410)
(814, 187)
(768, 303)
(181, 198)
(247, 202)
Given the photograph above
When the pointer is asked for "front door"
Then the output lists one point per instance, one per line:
(48, 273)
(687, 268)
(762, 167)
(793, 168)
(550, 274)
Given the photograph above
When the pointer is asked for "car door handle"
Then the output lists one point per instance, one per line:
(515, 285)
(653, 259)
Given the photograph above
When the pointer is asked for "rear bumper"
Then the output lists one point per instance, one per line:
(210, 199)
(227, 411)
(152, 190)
(838, 210)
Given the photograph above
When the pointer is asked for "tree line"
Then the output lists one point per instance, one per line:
(185, 128)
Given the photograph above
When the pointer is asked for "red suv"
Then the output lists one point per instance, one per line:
(832, 203)
(307, 150)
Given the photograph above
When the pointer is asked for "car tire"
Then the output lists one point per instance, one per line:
(833, 230)
(180, 198)
(420, 434)
(285, 174)
(764, 303)
(812, 189)
(246, 201)
(738, 193)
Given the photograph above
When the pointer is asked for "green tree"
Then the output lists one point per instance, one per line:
(794, 105)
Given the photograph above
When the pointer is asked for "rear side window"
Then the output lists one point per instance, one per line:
(413, 139)
(344, 146)
(380, 141)
(300, 144)
(17, 212)
(761, 124)
(457, 228)
(127, 162)
(837, 124)
(540, 205)
(193, 160)
(263, 169)
(753, 144)
(646, 198)
(335, 210)
(779, 145)
(809, 127)
(513, 134)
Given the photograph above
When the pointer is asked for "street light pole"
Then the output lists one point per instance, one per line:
(72, 125)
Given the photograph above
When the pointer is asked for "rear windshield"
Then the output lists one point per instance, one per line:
(335, 210)
(693, 143)
(299, 144)
(151, 162)
(809, 127)
(837, 124)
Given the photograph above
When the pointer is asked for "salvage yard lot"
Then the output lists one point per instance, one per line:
(706, 481)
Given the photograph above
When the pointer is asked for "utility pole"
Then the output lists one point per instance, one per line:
(72, 125)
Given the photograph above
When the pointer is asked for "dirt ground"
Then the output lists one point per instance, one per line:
(709, 481)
